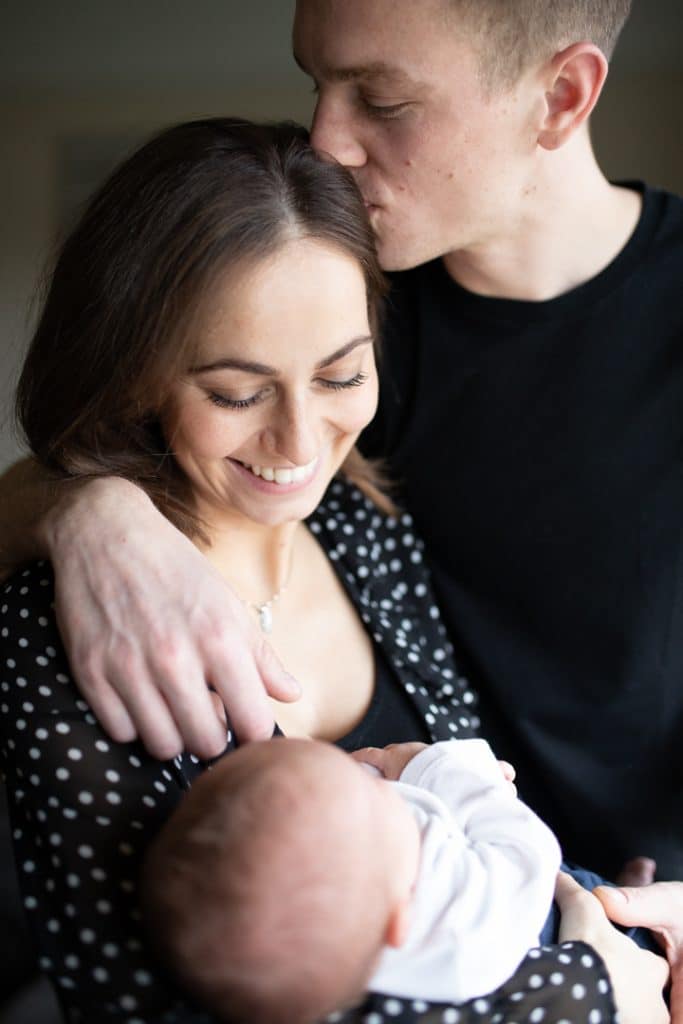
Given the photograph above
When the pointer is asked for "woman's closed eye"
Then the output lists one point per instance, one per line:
(226, 402)
(352, 382)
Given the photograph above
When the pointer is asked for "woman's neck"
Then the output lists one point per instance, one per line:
(256, 560)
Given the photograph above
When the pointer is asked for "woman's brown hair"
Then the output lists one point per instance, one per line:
(125, 299)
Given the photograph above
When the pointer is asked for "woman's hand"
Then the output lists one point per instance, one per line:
(638, 977)
(148, 624)
(658, 907)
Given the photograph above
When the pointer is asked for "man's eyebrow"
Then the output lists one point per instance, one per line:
(374, 70)
(263, 370)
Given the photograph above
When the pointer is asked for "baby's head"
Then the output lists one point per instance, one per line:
(273, 888)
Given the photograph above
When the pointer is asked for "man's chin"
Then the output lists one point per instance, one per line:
(391, 261)
(398, 255)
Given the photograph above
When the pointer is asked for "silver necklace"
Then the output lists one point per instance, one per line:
(265, 609)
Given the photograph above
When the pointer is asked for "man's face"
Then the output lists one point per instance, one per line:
(441, 166)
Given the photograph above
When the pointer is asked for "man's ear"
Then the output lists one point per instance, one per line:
(397, 925)
(575, 78)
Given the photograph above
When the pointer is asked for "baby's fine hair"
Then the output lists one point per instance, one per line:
(262, 893)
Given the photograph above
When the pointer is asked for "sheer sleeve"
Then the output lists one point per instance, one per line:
(83, 809)
(565, 984)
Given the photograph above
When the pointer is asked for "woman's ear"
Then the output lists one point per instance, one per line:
(575, 77)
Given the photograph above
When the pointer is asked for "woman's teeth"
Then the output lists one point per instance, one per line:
(283, 476)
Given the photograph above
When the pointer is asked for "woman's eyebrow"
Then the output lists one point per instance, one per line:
(246, 365)
(263, 370)
(365, 339)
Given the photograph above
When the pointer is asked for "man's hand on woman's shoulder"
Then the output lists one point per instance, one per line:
(148, 625)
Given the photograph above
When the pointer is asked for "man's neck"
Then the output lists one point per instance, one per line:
(570, 225)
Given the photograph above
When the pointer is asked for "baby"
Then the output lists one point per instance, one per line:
(292, 879)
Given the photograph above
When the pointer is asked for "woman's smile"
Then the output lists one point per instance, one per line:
(277, 480)
(281, 384)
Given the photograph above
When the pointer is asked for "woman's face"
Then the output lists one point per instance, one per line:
(283, 381)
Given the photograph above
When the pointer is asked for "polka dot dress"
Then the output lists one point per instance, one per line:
(84, 808)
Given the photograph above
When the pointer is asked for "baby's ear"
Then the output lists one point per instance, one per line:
(397, 926)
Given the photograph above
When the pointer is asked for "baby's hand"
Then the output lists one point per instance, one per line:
(391, 760)
(509, 774)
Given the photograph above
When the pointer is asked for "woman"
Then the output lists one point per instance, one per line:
(209, 334)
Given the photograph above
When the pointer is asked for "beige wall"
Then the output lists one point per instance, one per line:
(638, 127)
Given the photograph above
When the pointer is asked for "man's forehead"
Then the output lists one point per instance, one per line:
(397, 43)
(374, 70)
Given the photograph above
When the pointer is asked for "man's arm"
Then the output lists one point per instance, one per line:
(146, 621)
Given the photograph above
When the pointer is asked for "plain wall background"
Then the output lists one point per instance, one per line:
(81, 82)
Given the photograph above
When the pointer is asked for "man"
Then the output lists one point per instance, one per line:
(532, 411)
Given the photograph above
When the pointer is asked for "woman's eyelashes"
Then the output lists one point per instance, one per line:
(225, 402)
(337, 385)
(233, 403)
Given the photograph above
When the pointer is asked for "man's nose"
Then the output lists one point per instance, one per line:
(333, 131)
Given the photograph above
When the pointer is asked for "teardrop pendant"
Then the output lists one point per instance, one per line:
(265, 618)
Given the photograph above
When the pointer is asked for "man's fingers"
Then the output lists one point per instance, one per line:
(109, 710)
(279, 684)
(153, 720)
(203, 730)
(238, 683)
(637, 871)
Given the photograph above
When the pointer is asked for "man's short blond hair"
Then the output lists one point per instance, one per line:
(511, 35)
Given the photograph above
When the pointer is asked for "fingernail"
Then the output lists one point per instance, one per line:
(294, 683)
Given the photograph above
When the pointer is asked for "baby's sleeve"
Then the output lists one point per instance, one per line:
(486, 879)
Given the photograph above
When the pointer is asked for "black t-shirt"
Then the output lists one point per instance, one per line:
(539, 447)
(391, 717)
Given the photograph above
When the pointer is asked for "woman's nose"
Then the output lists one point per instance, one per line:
(294, 435)
(333, 131)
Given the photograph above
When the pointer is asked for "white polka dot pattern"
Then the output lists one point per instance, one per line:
(83, 807)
